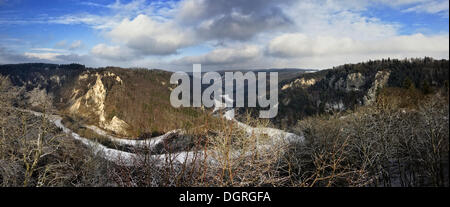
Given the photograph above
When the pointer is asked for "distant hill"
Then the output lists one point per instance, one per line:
(283, 73)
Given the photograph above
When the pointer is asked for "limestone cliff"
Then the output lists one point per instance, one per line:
(381, 80)
(301, 82)
(91, 104)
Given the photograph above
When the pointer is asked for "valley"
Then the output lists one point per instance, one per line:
(365, 124)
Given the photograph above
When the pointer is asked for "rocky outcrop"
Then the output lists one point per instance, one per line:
(381, 80)
(92, 103)
(301, 82)
(56, 79)
(335, 91)
(353, 82)
(335, 106)
(116, 125)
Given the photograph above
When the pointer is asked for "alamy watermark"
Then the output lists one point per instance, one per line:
(213, 95)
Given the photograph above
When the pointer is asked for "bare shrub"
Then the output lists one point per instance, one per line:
(226, 156)
(375, 146)
(33, 152)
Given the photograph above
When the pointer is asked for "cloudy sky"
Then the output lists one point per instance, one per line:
(221, 34)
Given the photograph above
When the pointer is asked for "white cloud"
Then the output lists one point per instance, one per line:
(112, 52)
(326, 51)
(149, 37)
(76, 45)
(95, 21)
(43, 56)
(396, 3)
(334, 17)
(432, 7)
(224, 56)
(301, 45)
(48, 50)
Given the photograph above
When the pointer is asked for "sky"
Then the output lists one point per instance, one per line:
(221, 34)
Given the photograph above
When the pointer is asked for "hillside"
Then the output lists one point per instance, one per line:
(135, 102)
(126, 102)
(348, 86)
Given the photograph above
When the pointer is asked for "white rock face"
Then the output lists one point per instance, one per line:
(83, 77)
(116, 125)
(381, 79)
(308, 82)
(302, 82)
(56, 79)
(110, 74)
(335, 106)
(94, 102)
(98, 95)
(353, 82)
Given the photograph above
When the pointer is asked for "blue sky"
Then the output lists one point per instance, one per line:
(411, 22)
(221, 34)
